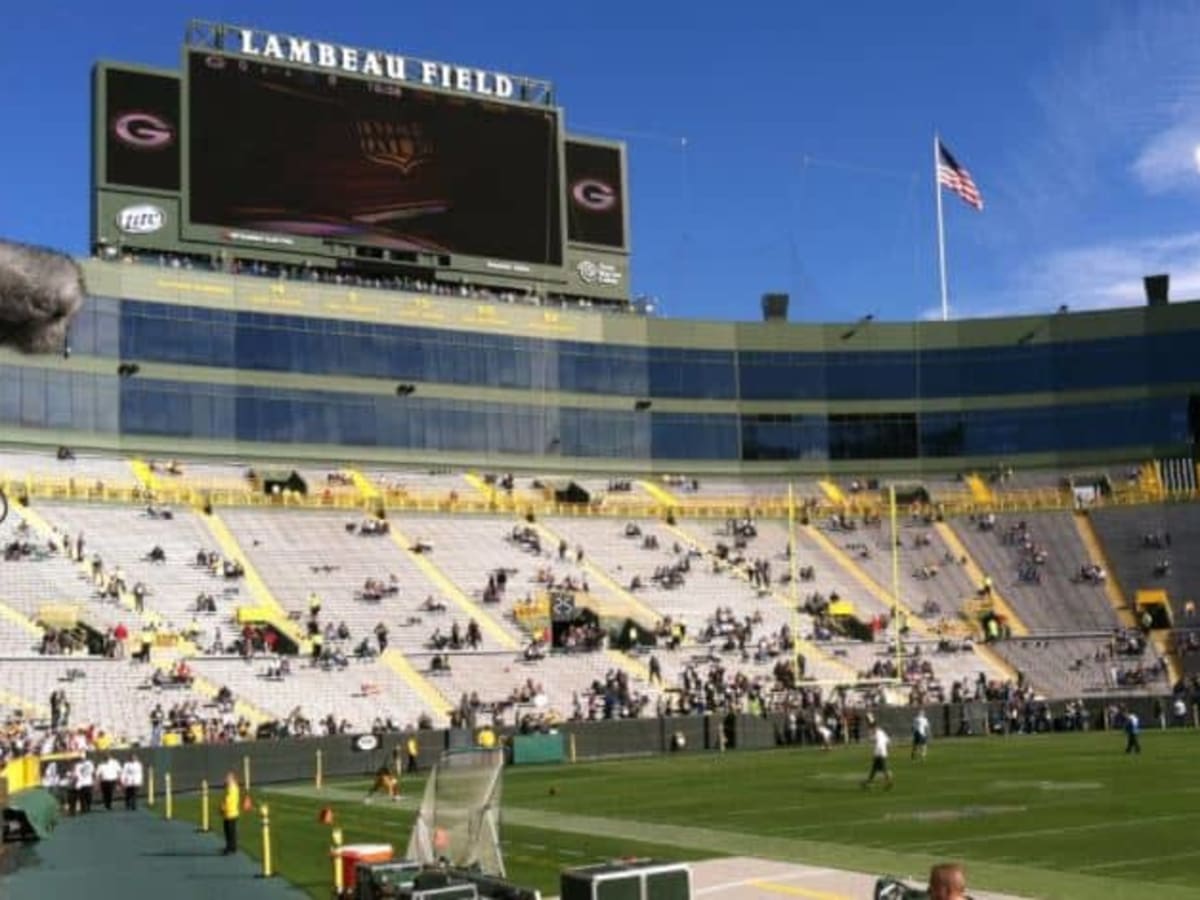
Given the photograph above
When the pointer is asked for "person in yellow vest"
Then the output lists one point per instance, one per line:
(231, 808)
(413, 750)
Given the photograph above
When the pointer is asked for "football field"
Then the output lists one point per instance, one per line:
(1063, 816)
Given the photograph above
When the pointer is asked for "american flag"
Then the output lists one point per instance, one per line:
(952, 175)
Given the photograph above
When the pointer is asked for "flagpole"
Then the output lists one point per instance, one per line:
(941, 226)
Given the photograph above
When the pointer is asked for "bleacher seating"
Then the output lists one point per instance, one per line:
(438, 554)
(30, 583)
(124, 536)
(929, 572)
(1049, 598)
(115, 695)
(360, 692)
(1154, 548)
(1077, 666)
(297, 555)
(85, 469)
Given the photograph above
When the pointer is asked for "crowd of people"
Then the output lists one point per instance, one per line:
(347, 278)
(747, 667)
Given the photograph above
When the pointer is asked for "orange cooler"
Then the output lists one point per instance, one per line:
(353, 854)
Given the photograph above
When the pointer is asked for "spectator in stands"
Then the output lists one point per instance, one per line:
(381, 636)
(139, 597)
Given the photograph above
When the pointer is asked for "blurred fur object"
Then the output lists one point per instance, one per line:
(40, 290)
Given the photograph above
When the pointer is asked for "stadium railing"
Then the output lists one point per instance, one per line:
(761, 506)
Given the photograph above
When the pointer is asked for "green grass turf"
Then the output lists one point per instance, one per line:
(1063, 816)
(300, 844)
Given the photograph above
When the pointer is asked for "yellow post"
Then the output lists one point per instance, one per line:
(204, 823)
(320, 771)
(150, 787)
(896, 583)
(265, 812)
(246, 773)
(572, 746)
(336, 853)
(169, 805)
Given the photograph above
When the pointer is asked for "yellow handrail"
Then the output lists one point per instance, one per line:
(181, 492)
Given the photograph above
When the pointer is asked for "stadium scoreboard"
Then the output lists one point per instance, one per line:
(302, 152)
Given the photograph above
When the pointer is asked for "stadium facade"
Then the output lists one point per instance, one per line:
(298, 256)
(248, 366)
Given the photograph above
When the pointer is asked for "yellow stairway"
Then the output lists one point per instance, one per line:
(915, 622)
(630, 607)
(271, 610)
(633, 608)
(15, 701)
(660, 494)
(21, 621)
(1112, 587)
(422, 687)
(367, 489)
(976, 575)
(809, 649)
(876, 590)
(142, 472)
(452, 591)
(148, 617)
(1162, 643)
(832, 492)
(980, 492)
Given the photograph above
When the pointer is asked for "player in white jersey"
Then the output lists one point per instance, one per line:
(879, 759)
(920, 729)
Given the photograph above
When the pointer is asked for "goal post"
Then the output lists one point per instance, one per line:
(459, 818)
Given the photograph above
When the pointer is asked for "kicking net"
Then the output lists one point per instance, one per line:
(459, 818)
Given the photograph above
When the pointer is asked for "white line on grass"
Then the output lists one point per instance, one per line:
(1009, 835)
(1138, 861)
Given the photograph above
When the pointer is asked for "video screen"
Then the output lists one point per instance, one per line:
(319, 155)
(595, 194)
(141, 130)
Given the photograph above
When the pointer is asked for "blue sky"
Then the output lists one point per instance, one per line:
(773, 145)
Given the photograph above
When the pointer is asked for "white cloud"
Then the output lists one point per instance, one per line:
(1170, 160)
(1099, 276)
(1124, 97)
